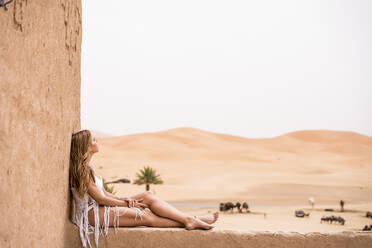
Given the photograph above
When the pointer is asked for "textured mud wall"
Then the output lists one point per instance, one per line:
(140, 237)
(39, 109)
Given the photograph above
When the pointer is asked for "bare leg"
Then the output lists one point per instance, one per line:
(164, 209)
(128, 218)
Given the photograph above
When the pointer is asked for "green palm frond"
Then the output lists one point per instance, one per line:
(147, 176)
(108, 188)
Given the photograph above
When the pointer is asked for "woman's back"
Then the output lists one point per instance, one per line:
(82, 207)
(87, 199)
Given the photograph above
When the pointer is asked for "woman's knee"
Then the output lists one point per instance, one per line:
(148, 194)
(149, 197)
(149, 217)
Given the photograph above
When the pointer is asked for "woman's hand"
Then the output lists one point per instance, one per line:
(134, 203)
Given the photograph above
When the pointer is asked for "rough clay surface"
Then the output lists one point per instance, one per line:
(144, 237)
(39, 109)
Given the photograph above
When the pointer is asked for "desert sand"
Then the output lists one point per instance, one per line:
(275, 176)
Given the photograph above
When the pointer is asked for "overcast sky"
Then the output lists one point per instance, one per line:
(248, 68)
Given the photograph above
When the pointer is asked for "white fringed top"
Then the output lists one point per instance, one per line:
(85, 204)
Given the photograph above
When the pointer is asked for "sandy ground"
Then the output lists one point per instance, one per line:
(275, 176)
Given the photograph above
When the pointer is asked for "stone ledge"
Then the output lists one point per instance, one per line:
(147, 237)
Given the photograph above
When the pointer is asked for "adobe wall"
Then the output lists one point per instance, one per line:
(144, 237)
(39, 109)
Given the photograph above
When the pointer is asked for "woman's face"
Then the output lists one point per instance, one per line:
(94, 145)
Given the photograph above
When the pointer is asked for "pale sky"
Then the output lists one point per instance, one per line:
(248, 68)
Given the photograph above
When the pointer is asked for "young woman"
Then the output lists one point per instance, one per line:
(144, 209)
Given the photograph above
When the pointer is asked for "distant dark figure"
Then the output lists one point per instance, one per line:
(340, 220)
(329, 209)
(369, 215)
(367, 228)
(222, 207)
(238, 206)
(324, 218)
(301, 214)
(246, 207)
(226, 206)
(332, 219)
(229, 206)
(342, 203)
(122, 180)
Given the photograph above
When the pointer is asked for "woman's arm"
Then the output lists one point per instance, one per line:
(94, 192)
(112, 195)
(130, 202)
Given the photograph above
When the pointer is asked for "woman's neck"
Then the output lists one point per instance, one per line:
(89, 159)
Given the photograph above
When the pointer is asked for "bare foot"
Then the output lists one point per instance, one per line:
(195, 223)
(210, 219)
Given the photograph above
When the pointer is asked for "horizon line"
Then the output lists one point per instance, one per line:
(190, 127)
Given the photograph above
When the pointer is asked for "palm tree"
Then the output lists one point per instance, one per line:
(107, 187)
(342, 203)
(148, 176)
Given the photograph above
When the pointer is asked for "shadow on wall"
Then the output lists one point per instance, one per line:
(71, 232)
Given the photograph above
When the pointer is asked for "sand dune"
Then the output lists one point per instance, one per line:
(207, 165)
(330, 137)
(200, 166)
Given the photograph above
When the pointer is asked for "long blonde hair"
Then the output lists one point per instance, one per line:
(80, 171)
